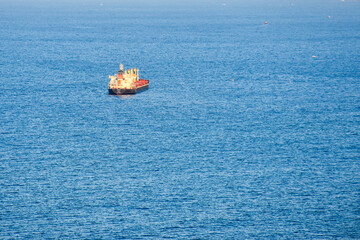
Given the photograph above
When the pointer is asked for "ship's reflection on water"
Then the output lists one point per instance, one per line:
(127, 96)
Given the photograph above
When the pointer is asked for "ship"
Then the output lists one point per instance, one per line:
(127, 82)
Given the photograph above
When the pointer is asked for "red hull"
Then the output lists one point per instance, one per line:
(140, 86)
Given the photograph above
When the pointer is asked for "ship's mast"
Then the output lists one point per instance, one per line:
(121, 72)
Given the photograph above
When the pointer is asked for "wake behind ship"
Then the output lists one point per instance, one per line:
(127, 82)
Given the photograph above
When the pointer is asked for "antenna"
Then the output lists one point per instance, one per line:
(121, 67)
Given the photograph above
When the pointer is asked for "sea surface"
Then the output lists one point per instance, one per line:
(248, 130)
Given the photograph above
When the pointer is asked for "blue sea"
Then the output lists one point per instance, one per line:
(248, 130)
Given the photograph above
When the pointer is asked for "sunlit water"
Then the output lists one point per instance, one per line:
(272, 154)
